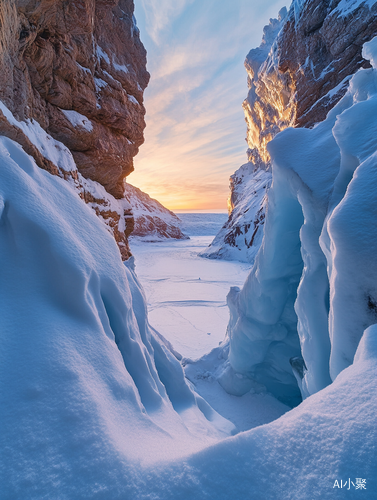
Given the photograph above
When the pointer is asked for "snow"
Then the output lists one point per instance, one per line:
(86, 70)
(345, 7)
(78, 120)
(330, 436)
(100, 84)
(101, 54)
(83, 376)
(53, 150)
(121, 67)
(186, 294)
(132, 99)
(248, 410)
(186, 297)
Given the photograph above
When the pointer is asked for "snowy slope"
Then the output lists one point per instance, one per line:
(307, 454)
(87, 387)
(152, 220)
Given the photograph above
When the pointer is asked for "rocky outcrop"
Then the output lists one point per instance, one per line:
(294, 81)
(241, 235)
(152, 220)
(76, 71)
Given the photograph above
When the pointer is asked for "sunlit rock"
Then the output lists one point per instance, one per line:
(300, 71)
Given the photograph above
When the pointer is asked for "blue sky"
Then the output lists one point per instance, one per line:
(195, 135)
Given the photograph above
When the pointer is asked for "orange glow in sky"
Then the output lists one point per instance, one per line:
(195, 134)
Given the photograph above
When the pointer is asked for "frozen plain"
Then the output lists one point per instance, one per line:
(186, 297)
(186, 294)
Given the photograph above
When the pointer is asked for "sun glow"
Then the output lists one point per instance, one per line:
(194, 139)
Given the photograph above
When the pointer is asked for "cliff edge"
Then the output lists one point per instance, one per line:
(71, 90)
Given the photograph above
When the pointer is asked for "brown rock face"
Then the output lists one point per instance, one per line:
(78, 69)
(321, 51)
(307, 71)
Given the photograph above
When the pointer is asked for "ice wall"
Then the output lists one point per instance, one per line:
(317, 265)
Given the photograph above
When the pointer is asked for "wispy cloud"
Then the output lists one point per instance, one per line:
(161, 14)
(195, 125)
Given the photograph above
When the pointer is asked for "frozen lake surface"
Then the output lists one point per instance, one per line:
(186, 297)
(186, 294)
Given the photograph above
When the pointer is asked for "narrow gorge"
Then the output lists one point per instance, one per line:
(95, 403)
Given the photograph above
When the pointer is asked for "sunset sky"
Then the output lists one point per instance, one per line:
(195, 135)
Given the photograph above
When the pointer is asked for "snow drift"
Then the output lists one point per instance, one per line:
(88, 389)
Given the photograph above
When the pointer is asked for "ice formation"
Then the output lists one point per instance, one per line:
(316, 265)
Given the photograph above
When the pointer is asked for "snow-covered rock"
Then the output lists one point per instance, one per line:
(152, 220)
(299, 72)
(241, 236)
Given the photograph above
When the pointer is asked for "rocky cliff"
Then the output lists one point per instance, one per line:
(299, 72)
(76, 71)
(152, 220)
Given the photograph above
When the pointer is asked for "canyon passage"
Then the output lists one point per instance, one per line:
(95, 401)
